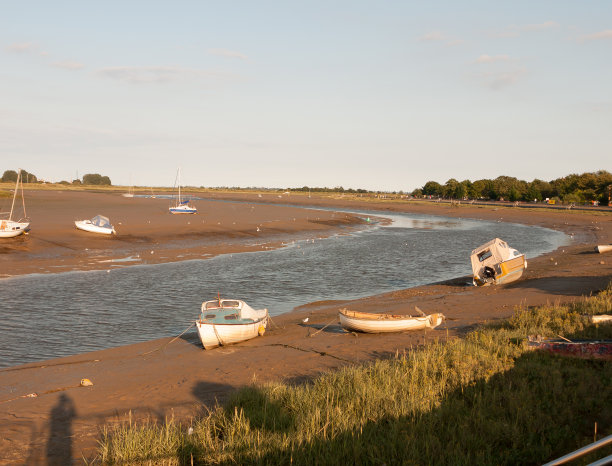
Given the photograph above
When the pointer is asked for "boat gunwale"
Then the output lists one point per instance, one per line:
(372, 316)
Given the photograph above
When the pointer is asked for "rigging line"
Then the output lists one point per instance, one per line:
(166, 344)
(323, 328)
(272, 322)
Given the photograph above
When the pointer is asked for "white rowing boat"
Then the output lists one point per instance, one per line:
(379, 323)
(226, 321)
(604, 248)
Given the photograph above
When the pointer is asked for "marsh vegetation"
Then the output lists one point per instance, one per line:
(482, 399)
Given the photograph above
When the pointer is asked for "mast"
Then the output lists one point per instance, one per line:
(179, 184)
(15, 194)
(25, 215)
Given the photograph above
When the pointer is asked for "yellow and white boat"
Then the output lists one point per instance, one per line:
(497, 263)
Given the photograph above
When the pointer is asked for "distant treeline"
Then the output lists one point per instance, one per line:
(588, 187)
(10, 176)
(337, 189)
(89, 179)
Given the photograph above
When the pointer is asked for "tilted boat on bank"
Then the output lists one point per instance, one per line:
(10, 228)
(604, 248)
(497, 263)
(368, 322)
(98, 224)
(226, 321)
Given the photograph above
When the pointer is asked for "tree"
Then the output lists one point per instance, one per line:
(9, 176)
(96, 179)
(454, 189)
(432, 188)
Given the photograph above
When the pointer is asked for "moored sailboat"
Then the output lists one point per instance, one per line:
(181, 207)
(10, 228)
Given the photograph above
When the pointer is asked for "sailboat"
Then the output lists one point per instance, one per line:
(181, 207)
(130, 192)
(11, 228)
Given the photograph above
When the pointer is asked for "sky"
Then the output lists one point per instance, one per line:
(380, 95)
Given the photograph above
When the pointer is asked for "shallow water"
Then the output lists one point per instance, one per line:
(52, 315)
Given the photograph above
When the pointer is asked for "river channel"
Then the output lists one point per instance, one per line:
(52, 315)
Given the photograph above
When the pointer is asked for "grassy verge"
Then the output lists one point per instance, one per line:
(484, 399)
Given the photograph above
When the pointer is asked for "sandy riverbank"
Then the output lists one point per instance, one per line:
(159, 378)
(148, 234)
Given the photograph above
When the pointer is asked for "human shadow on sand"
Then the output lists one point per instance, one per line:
(59, 445)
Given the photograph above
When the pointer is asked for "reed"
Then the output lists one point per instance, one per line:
(483, 399)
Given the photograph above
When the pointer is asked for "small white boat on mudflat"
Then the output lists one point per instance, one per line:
(99, 224)
(380, 323)
(226, 321)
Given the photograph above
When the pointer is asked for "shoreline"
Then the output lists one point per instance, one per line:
(164, 377)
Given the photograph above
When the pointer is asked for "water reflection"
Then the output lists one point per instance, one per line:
(47, 316)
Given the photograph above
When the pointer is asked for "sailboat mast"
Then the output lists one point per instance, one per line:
(15, 194)
(25, 215)
(179, 183)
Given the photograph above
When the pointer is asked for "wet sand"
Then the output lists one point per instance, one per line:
(148, 234)
(175, 376)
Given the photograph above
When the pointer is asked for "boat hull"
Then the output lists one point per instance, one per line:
(586, 349)
(213, 335)
(604, 248)
(508, 272)
(83, 225)
(383, 323)
(11, 229)
(179, 210)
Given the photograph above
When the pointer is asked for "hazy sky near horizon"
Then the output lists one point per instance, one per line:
(379, 95)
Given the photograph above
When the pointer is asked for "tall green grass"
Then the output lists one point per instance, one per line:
(483, 399)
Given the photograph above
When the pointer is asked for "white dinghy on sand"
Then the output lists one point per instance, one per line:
(226, 321)
(99, 224)
(369, 322)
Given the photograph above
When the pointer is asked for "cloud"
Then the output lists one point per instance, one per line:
(22, 47)
(601, 35)
(500, 80)
(437, 36)
(539, 27)
(454, 42)
(154, 74)
(515, 30)
(489, 59)
(68, 65)
(227, 53)
(433, 36)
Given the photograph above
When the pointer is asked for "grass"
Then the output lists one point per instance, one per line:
(484, 399)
